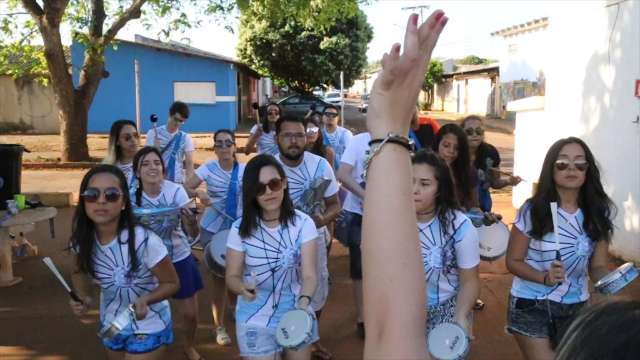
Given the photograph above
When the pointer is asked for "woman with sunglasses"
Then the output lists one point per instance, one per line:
(448, 242)
(154, 192)
(551, 275)
(271, 261)
(123, 145)
(264, 134)
(486, 160)
(129, 263)
(223, 201)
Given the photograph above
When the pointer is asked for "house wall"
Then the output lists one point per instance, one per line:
(159, 69)
(465, 95)
(589, 94)
(28, 105)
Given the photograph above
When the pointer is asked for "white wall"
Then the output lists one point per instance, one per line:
(523, 56)
(591, 74)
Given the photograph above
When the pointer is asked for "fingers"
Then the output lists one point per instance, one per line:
(431, 29)
(411, 40)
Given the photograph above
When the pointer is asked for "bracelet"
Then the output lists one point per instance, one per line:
(377, 144)
(305, 296)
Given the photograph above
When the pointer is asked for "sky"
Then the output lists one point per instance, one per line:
(467, 33)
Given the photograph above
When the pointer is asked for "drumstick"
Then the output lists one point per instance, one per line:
(47, 261)
(554, 217)
(251, 284)
(505, 173)
(223, 213)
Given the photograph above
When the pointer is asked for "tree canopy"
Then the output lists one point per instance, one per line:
(303, 55)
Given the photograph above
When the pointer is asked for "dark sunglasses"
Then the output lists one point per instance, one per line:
(580, 165)
(129, 137)
(92, 195)
(330, 114)
(274, 185)
(478, 131)
(224, 144)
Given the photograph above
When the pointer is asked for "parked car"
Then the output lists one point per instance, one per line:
(299, 105)
(333, 97)
(364, 103)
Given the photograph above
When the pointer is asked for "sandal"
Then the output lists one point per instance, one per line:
(222, 338)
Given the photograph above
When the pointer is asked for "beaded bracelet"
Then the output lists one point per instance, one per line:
(377, 144)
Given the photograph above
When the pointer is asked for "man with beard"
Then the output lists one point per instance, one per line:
(306, 171)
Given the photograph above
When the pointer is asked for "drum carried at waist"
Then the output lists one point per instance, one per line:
(215, 253)
(494, 240)
(448, 341)
(295, 329)
(617, 279)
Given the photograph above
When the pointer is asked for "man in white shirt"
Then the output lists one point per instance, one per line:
(334, 135)
(349, 225)
(175, 145)
(305, 171)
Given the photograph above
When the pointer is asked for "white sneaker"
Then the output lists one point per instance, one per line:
(222, 338)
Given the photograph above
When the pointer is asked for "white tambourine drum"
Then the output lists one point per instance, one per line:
(493, 241)
(448, 341)
(215, 253)
(295, 329)
(617, 279)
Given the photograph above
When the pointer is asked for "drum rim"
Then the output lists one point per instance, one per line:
(616, 274)
(307, 332)
(465, 349)
(213, 238)
(213, 267)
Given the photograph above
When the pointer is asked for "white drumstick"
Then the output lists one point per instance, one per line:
(554, 217)
(47, 261)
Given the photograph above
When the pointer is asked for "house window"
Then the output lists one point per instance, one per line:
(195, 92)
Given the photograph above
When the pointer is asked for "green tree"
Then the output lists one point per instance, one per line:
(474, 60)
(431, 78)
(303, 55)
(96, 23)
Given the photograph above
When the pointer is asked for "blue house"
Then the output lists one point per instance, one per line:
(218, 90)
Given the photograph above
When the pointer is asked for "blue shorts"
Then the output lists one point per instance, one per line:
(140, 343)
(190, 278)
(257, 341)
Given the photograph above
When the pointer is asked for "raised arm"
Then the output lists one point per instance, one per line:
(394, 301)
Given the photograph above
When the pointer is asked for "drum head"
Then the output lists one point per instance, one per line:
(294, 328)
(448, 341)
(617, 279)
(494, 240)
(215, 253)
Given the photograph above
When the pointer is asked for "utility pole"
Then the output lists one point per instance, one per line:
(420, 8)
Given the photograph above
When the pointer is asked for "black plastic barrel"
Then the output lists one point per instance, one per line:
(10, 172)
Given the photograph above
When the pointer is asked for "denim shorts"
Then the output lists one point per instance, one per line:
(444, 312)
(190, 278)
(140, 343)
(530, 317)
(258, 341)
(349, 232)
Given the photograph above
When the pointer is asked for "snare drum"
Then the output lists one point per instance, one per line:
(617, 279)
(295, 329)
(493, 241)
(216, 252)
(448, 341)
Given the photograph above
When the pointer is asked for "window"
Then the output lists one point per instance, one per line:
(195, 92)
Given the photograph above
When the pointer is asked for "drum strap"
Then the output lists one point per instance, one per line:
(231, 203)
(176, 141)
(415, 139)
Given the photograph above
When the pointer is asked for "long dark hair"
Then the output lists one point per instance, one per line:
(137, 160)
(83, 233)
(446, 200)
(605, 331)
(114, 152)
(266, 125)
(318, 147)
(597, 207)
(461, 166)
(251, 210)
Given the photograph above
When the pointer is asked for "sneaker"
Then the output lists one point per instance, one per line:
(360, 330)
(222, 338)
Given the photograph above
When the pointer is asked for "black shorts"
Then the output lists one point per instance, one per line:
(352, 234)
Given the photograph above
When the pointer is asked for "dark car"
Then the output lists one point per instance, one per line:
(299, 105)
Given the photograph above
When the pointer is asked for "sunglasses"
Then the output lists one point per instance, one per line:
(330, 114)
(129, 137)
(91, 195)
(224, 144)
(273, 112)
(312, 130)
(580, 165)
(274, 185)
(478, 131)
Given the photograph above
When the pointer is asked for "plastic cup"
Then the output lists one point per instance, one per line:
(20, 200)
